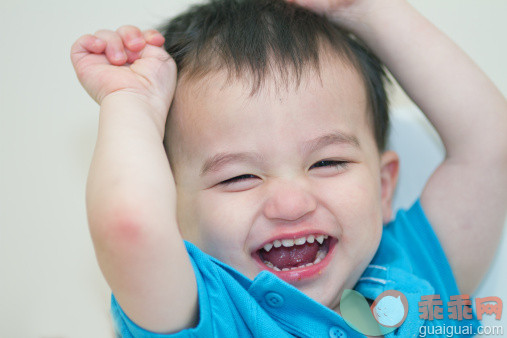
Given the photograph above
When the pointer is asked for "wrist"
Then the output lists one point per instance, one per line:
(124, 109)
(155, 105)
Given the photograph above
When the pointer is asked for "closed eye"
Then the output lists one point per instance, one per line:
(238, 179)
(330, 163)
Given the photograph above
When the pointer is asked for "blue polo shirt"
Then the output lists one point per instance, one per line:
(409, 259)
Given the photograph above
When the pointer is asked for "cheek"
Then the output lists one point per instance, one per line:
(223, 222)
(355, 201)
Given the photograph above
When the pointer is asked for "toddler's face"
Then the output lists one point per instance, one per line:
(293, 167)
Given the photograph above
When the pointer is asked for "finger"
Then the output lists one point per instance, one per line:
(132, 56)
(155, 52)
(115, 51)
(85, 45)
(132, 38)
(153, 37)
(88, 44)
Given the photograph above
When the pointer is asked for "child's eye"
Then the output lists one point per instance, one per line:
(330, 163)
(237, 179)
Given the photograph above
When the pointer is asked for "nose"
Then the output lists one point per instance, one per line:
(289, 202)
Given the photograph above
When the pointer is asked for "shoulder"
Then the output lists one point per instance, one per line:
(410, 243)
(410, 259)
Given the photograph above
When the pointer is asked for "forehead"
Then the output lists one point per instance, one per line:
(219, 106)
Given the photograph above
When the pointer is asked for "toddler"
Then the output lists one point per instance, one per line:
(240, 182)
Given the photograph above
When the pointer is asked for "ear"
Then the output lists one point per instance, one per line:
(389, 168)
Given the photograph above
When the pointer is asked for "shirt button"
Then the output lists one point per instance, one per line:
(273, 299)
(336, 332)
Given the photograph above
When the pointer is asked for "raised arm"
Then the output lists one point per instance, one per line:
(466, 197)
(131, 196)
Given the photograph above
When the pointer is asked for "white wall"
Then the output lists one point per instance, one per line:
(50, 285)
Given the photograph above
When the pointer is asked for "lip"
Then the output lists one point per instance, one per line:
(303, 273)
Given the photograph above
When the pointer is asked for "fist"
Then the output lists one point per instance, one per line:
(125, 60)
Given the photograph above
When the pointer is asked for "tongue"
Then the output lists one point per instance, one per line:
(293, 256)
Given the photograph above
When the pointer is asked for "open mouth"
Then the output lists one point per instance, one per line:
(294, 254)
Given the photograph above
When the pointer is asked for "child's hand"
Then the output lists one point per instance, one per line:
(329, 7)
(127, 60)
(352, 14)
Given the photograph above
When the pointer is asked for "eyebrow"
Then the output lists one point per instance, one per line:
(335, 137)
(220, 160)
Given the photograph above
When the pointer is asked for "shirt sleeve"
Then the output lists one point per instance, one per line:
(425, 254)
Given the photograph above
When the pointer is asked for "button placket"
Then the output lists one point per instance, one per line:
(336, 332)
(274, 299)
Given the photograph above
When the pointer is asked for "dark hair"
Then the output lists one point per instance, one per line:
(260, 36)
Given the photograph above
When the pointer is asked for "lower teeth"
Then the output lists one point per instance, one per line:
(321, 254)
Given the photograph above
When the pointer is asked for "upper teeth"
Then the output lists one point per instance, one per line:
(298, 241)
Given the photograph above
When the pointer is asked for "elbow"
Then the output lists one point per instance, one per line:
(502, 138)
(491, 149)
(500, 156)
(117, 229)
